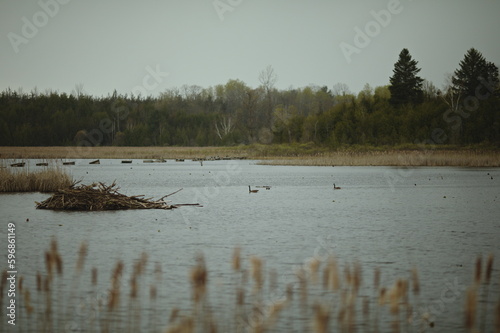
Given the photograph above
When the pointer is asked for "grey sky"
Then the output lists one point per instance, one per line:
(114, 44)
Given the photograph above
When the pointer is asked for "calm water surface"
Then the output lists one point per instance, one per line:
(436, 219)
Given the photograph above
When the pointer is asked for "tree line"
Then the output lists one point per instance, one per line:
(407, 110)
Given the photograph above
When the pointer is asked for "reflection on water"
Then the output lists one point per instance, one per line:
(436, 219)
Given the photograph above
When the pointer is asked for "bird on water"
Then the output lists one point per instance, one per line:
(252, 191)
(336, 187)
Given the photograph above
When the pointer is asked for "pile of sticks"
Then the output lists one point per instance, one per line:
(98, 196)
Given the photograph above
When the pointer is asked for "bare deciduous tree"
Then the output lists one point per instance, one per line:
(268, 78)
(226, 126)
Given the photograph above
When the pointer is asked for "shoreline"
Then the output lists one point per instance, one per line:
(268, 156)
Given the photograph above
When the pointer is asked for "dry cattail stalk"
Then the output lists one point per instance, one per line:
(152, 292)
(199, 279)
(314, 268)
(82, 253)
(133, 287)
(94, 276)
(117, 273)
(326, 277)
(48, 263)
(341, 317)
(347, 275)
(497, 318)
(382, 296)
(27, 302)
(257, 271)
(395, 326)
(376, 277)
(38, 282)
(237, 259)
(489, 268)
(273, 280)
(357, 277)
(289, 292)
(276, 308)
(185, 326)
(46, 284)
(333, 274)
(3, 283)
(240, 296)
(403, 290)
(416, 284)
(302, 277)
(114, 297)
(58, 263)
(321, 318)
(173, 315)
(366, 307)
(470, 308)
(141, 264)
(394, 299)
(478, 270)
(20, 284)
(53, 246)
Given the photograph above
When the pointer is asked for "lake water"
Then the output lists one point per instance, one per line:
(435, 219)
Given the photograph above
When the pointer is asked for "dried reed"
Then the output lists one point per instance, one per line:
(37, 181)
(336, 305)
(273, 154)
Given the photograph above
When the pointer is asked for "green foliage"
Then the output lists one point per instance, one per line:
(475, 76)
(409, 111)
(406, 85)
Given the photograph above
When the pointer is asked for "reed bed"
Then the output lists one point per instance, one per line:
(119, 152)
(303, 154)
(323, 296)
(464, 158)
(22, 180)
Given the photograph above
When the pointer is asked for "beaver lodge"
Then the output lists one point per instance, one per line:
(98, 197)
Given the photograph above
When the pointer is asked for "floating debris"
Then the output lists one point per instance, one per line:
(18, 165)
(127, 161)
(159, 160)
(69, 163)
(98, 197)
(95, 162)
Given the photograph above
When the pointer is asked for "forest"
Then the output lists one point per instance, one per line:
(407, 110)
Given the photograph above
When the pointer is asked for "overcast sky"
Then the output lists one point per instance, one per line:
(132, 45)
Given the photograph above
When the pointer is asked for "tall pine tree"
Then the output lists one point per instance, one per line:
(406, 86)
(475, 75)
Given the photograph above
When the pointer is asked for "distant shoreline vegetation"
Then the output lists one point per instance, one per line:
(409, 110)
(283, 154)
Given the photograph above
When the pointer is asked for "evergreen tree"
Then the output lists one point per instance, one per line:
(475, 75)
(406, 86)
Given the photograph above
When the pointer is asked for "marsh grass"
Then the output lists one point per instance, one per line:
(464, 158)
(283, 154)
(323, 297)
(24, 180)
(120, 152)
